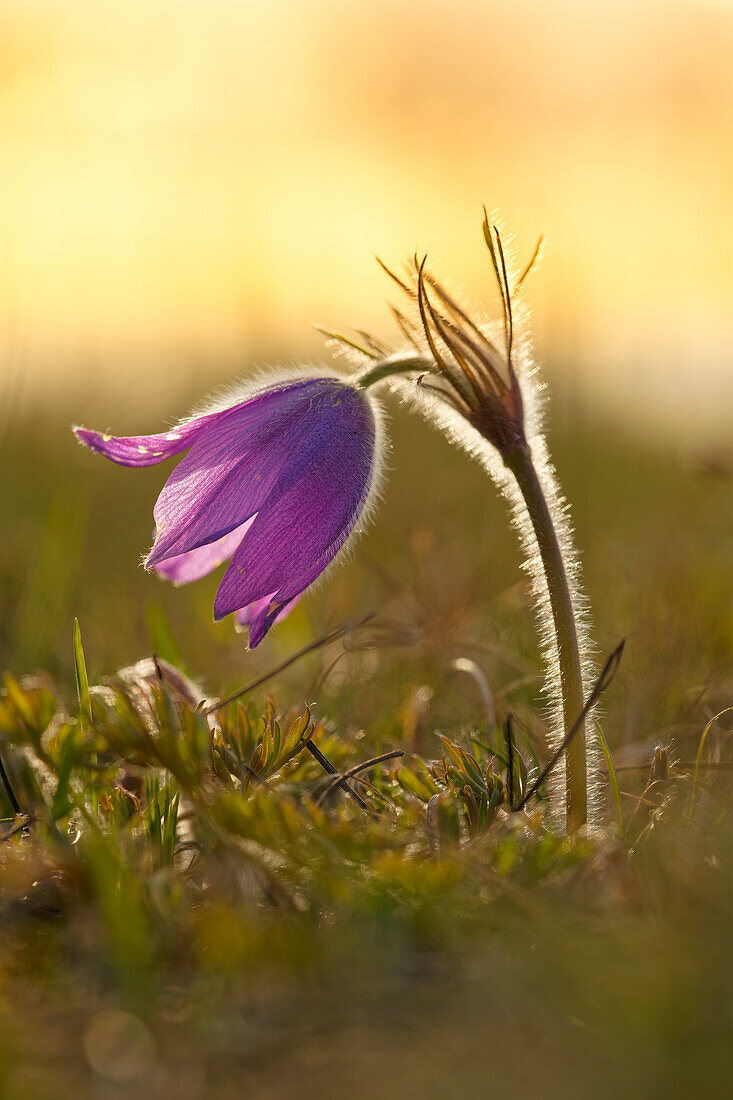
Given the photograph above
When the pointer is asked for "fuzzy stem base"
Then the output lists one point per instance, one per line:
(520, 463)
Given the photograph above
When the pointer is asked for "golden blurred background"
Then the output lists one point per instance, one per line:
(186, 186)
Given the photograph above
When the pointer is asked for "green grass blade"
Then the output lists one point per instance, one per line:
(698, 758)
(611, 775)
(85, 701)
(82, 680)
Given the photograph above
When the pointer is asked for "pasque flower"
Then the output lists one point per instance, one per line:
(276, 479)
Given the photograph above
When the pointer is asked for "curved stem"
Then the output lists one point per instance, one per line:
(395, 364)
(520, 463)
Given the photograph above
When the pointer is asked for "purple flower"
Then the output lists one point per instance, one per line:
(276, 481)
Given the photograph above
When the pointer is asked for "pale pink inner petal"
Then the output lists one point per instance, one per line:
(194, 564)
(259, 608)
(246, 614)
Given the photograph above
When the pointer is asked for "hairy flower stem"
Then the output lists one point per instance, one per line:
(519, 461)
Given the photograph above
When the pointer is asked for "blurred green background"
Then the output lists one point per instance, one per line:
(185, 188)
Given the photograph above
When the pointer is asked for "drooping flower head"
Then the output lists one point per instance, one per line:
(275, 479)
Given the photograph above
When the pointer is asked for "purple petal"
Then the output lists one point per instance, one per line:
(141, 450)
(194, 564)
(278, 606)
(310, 514)
(236, 464)
(149, 450)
